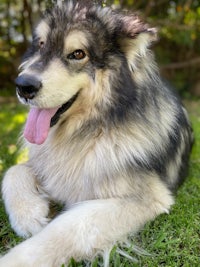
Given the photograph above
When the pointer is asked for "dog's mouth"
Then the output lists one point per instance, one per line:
(39, 121)
(62, 109)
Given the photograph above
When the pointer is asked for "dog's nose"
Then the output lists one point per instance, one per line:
(27, 86)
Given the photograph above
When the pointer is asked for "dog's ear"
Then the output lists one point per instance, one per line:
(135, 37)
(131, 25)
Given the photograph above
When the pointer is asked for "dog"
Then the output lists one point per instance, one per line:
(107, 137)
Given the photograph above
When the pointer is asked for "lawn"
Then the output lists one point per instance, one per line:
(171, 240)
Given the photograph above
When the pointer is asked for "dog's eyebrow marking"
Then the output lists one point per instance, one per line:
(75, 40)
(42, 30)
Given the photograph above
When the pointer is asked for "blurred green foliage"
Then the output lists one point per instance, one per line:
(178, 49)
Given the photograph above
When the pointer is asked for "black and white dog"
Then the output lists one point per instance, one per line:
(106, 136)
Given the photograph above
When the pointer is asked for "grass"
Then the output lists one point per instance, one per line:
(171, 240)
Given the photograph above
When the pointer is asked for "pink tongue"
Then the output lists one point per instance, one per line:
(38, 124)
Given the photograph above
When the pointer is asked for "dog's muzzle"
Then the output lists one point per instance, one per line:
(27, 86)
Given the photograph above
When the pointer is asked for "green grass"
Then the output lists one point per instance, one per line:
(171, 240)
(12, 117)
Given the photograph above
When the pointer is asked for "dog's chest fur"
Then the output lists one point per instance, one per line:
(88, 172)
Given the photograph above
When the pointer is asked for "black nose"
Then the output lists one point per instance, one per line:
(27, 86)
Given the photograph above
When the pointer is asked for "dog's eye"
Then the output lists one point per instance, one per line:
(77, 55)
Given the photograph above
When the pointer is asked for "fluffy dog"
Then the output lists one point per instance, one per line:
(107, 137)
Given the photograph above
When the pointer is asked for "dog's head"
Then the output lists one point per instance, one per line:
(71, 45)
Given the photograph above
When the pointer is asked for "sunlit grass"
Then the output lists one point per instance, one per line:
(12, 117)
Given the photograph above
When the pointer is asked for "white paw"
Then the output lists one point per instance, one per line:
(30, 217)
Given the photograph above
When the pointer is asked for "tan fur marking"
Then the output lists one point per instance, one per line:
(74, 41)
(42, 30)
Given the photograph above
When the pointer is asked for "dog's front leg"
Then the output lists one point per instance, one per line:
(83, 231)
(27, 208)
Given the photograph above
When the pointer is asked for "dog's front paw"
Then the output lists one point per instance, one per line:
(25, 202)
(30, 217)
(20, 256)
